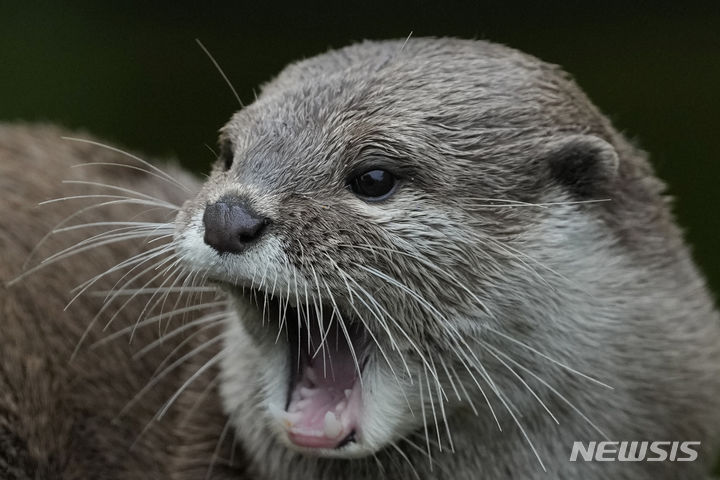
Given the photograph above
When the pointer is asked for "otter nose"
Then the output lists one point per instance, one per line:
(230, 226)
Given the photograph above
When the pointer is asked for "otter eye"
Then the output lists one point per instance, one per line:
(373, 185)
(226, 154)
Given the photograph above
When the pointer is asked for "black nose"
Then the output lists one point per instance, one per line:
(230, 226)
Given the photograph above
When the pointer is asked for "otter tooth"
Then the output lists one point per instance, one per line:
(347, 392)
(288, 419)
(332, 427)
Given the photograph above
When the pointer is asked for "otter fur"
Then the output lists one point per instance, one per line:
(521, 285)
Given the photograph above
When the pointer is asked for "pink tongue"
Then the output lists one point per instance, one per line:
(326, 401)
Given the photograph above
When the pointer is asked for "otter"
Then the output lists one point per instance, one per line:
(435, 258)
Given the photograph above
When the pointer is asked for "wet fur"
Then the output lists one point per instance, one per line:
(597, 278)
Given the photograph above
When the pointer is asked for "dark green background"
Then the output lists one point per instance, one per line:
(134, 75)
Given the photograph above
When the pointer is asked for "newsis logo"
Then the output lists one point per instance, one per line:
(635, 451)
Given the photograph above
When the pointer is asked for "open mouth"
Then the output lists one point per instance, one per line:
(327, 357)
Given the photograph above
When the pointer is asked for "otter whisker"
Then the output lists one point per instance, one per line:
(191, 308)
(549, 387)
(109, 300)
(353, 295)
(116, 239)
(369, 331)
(156, 378)
(451, 370)
(381, 468)
(569, 283)
(450, 379)
(319, 317)
(307, 316)
(517, 203)
(195, 281)
(151, 290)
(173, 268)
(144, 323)
(404, 456)
(382, 323)
(351, 347)
(491, 351)
(307, 303)
(407, 39)
(517, 255)
(333, 315)
(170, 258)
(50, 233)
(210, 363)
(487, 400)
(220, 71)
(173, 275)
(216, 450)
(150, 201)
(441, 403)
(274, 285)
(425, 425)
(187, 281)
(425, 262)
(63, 222)
(179, 347)
(446, 325)
(282, 316)
(481, 389)
(283, 302)
(192, 279)
(138, 195)
(137, 262)
(546, 357)
(187, 416)
(424, 361)
(370, 298)
(211, 385)
(298, 319)
(165, 178)
(94, 242)
(432, 407)
(137, 259)
(265, 295)
(149, 165)
(151, 226)
(506, 403)
(105, 305)
(218, 297)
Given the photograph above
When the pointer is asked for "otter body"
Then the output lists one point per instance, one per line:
(60, 414)
(439, 261)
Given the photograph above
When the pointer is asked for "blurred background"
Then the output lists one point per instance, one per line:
(133, 74)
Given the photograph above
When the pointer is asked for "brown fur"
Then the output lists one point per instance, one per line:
(59, 418)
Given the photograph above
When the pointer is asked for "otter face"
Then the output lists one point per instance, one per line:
(303, 244)
(361, 217)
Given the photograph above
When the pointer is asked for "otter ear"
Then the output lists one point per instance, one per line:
(584, 164)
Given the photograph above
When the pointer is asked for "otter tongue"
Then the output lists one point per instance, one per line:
(325, 403)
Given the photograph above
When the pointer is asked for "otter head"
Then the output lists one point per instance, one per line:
(370, 214)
